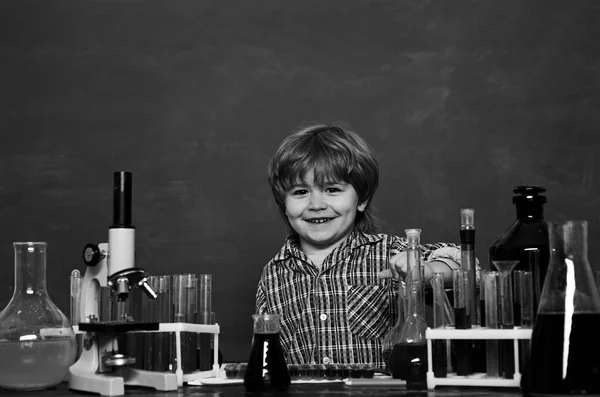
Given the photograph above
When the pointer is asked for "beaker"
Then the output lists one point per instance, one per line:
(37, 342)
(267, 369)
(564, 355)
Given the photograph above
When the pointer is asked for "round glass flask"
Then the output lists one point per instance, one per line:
(37, 342)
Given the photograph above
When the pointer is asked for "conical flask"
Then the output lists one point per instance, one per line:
(267, 369)
(564, 357)
(37, 342)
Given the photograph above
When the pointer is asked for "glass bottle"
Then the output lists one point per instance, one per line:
(267, 369)
(37, 342)
(409, 356)
(564, 355)
(528, 233)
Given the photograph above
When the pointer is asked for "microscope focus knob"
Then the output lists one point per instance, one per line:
(91, 254)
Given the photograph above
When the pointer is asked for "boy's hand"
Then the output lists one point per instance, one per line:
(397, 267)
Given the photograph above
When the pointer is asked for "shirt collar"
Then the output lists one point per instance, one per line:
(356, 239)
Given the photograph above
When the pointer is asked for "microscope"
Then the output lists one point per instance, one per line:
(102, 368)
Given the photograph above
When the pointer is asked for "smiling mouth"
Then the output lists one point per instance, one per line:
(318, 220)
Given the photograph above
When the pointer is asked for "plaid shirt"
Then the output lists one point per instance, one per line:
(337, 313)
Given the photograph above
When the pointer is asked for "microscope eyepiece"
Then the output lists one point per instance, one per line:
(122, 188)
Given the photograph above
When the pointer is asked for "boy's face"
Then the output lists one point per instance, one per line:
(322, 216)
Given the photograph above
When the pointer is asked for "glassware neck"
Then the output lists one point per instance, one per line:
(415, 299)
(266, 323)
(568, 240)
(30, 268)
(530, 211)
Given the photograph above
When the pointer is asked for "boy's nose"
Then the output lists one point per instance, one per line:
(316, 202)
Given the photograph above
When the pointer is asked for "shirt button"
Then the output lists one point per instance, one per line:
(326, 360)
(323, 316)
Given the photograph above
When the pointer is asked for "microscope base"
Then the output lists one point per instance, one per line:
(114, 384)
(103, 384)
(163, 381)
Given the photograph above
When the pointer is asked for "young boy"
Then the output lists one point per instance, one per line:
(331, 281)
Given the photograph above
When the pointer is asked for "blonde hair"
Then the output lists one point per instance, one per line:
(333, 153)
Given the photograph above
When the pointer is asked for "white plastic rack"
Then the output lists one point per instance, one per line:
(475, 379)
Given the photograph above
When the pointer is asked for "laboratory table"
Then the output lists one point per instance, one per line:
(304, 390)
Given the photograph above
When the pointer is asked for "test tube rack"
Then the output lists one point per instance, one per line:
(476, 379)
(178, 328)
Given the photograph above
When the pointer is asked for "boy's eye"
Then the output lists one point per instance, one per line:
(333, 189)
(298, 192)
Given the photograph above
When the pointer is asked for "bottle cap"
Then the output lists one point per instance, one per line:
(467, 217)
(529, 194)
(413, 237)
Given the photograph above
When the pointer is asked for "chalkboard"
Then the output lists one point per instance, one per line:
(461, 100)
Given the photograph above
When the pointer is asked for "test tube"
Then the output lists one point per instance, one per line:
(136, 340)
(461, 320)
(507, 364)
(184, 308)
(205, 316)
(490, 286)
(517, 297)
(149, 314)
(527, 313)
(460, 279)
(439, 321)
(163, 356)
(76, 280)
(482, 299)
(526, 298)
(467, 260)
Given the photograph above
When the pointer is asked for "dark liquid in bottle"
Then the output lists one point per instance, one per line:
(403, 356)
(267, 369)
(551, 356)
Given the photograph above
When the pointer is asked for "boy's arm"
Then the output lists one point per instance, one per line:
(261, 300)
(440, 258)
(437, 258)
